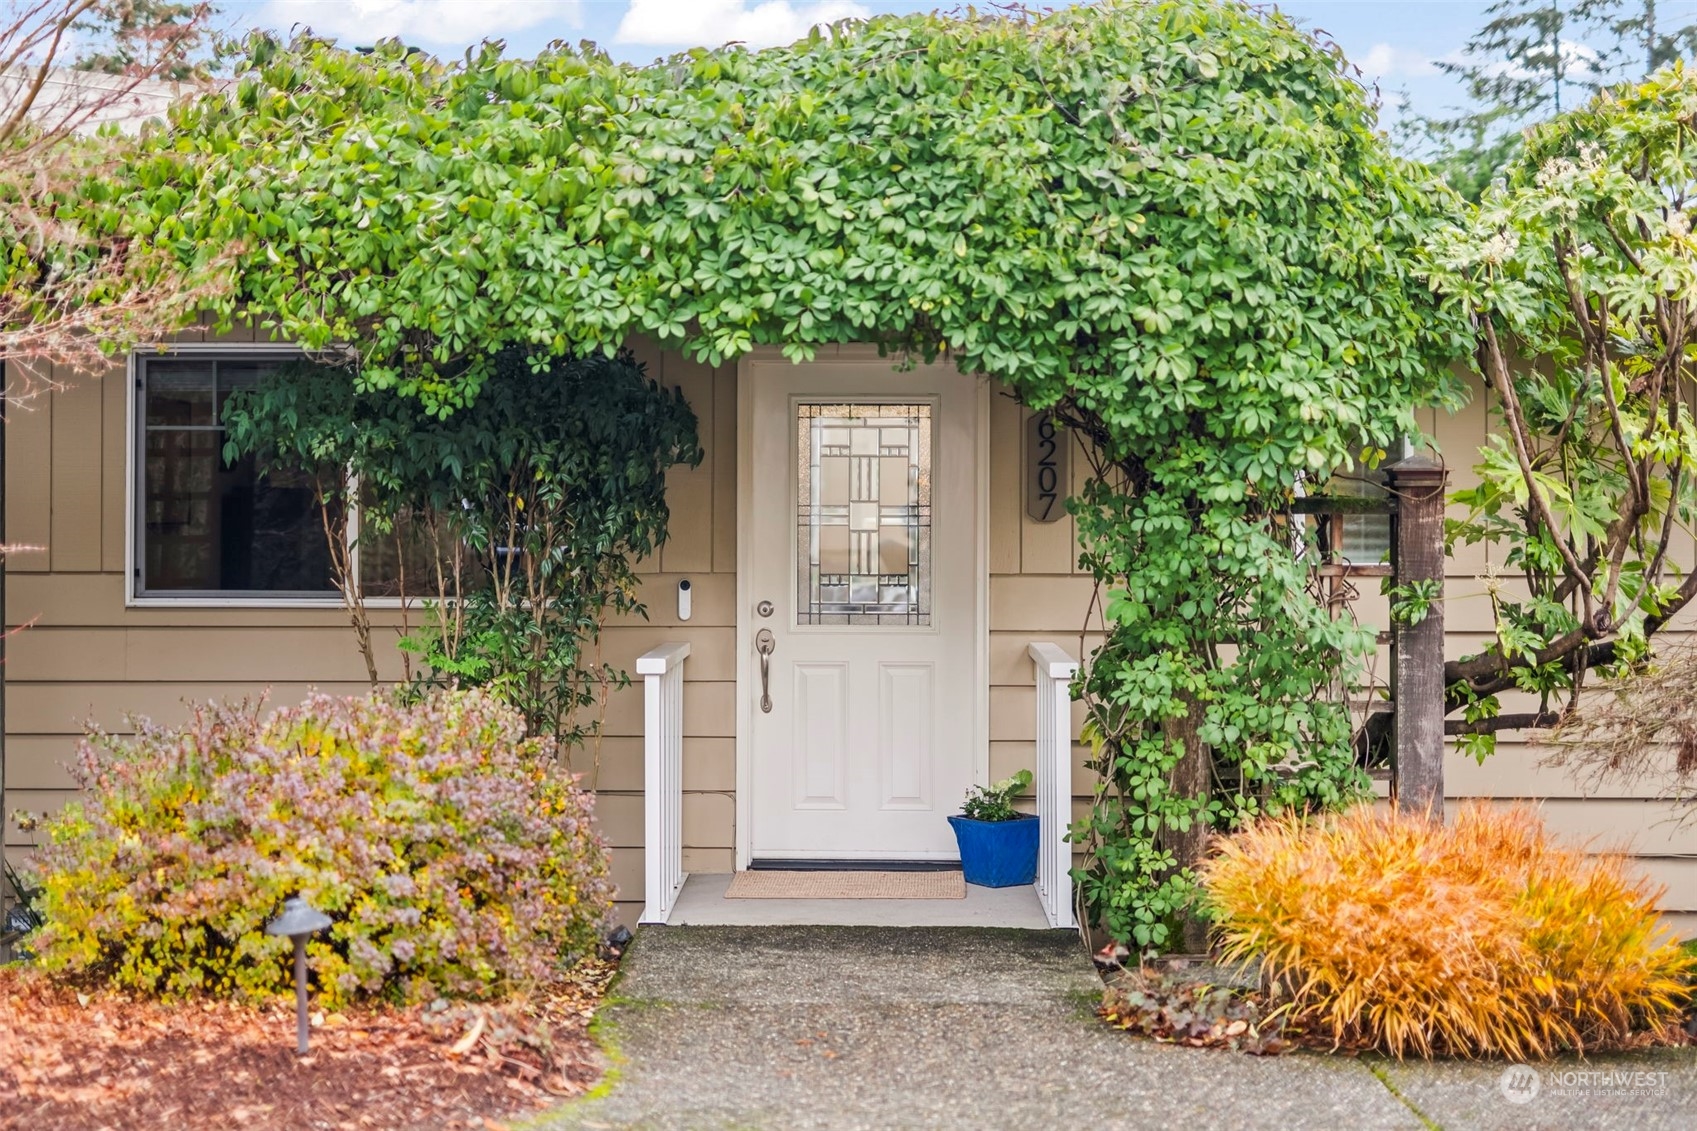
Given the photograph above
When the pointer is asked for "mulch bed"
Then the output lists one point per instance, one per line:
(71, 1061)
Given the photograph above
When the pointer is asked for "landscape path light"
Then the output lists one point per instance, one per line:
(299, 920)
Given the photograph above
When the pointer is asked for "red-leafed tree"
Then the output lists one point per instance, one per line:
(77, 79)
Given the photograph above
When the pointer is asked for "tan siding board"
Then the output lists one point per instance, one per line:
(709, 711)
(712, 649)
(1013, 714)
(1005, 472)
(710, 764)
(629, 877)
(210, 654)
(1053, 605)
(689, 490)
(724, 446)
(620, 817)
(29, 478)
(114, 470)
(625, 869)
(709, 819)
(648, 354)
(709, 860)
(1643, 827)
(62, 708)
(96, 600)
(1679, 877)
(1010, 659)
(1008, 758)
(1459, 437)
(1468, 609)
(1516, 771)
(74, 533)
(312, 655)
(39, 762)
(38, 653)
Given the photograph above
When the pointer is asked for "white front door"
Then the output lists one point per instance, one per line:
(861, 511)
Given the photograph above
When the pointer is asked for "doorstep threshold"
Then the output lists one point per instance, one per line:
(779, 864)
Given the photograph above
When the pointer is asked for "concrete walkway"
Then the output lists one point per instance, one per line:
(843, 1027)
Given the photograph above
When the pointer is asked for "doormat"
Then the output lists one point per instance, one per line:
(846, 885)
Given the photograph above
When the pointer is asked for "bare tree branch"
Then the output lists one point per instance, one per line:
(72, 289)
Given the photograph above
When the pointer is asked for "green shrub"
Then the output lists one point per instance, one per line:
(454, 855)
(1477, 937)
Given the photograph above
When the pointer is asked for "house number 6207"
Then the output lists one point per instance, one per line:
(1045, 470)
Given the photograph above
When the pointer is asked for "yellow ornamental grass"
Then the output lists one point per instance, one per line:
(1481, 937)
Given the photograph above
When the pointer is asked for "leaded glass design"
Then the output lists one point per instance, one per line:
(863, 514)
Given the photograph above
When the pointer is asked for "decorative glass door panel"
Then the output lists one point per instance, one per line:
(863, 514)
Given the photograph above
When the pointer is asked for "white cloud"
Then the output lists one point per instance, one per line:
(709, 23)
(454, 23)
(1583, 63)
(1385, 61)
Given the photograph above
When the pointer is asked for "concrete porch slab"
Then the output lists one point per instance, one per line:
(702, 903)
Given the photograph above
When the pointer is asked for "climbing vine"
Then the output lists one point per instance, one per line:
(1173, 225)
(518, 519)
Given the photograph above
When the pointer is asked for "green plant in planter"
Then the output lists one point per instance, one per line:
(995, 802)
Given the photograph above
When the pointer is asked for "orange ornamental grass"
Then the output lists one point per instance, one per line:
(1477, 938)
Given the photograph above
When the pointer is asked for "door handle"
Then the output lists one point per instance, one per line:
(764, 643)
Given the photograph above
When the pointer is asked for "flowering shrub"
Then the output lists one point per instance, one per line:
(454, 855)
(995, 802)
(1482, 937)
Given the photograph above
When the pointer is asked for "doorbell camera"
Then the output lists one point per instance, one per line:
(683, 599)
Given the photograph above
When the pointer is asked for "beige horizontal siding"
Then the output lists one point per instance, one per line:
(84, 655)
(97, 601)
(1605, 814)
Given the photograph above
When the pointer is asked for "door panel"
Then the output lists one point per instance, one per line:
(863, 519)
(907, 714)
(820, 742)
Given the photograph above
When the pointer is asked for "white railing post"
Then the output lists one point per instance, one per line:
(1055, 670)
(662, 672)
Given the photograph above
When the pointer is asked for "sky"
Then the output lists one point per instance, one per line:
(1396, 43)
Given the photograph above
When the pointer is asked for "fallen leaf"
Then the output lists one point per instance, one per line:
(464, 1045)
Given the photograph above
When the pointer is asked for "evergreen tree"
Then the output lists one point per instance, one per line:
(1645, 44)
(1530, 61)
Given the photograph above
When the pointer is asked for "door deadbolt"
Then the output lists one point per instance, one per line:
(765, 608)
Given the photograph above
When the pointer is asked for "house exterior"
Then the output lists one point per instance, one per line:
(870, 557)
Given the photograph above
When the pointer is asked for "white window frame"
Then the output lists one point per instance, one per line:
(133, 597)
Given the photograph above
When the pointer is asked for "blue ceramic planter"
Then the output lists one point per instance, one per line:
(997, 854)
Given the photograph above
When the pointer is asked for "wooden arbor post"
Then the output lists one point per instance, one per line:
(1417, 671)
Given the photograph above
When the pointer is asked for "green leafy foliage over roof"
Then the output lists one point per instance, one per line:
(1173, 224)
(1167, 209)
